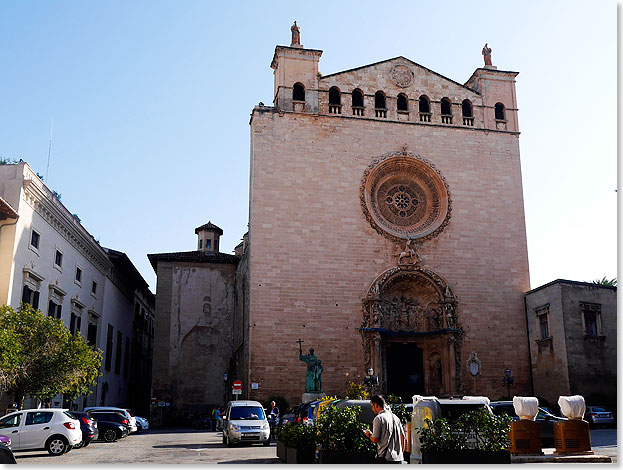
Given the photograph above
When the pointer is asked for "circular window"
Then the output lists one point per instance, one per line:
(405, 197)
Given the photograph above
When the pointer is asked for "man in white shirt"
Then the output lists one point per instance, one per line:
(387, 432)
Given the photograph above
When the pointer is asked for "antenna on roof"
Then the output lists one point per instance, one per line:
(47, 169)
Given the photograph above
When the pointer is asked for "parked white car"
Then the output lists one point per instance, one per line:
(131, 419)
(53, 429)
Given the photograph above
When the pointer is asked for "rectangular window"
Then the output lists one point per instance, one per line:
(200, 243)
(208, 244)
(92, 334)
(54, 310)
(34, 239)
(73, 324)
(591, 318)
(94, 288)
(108, 362)
(78, 274)
(542, 314)
(118, 352)
(30, 297)
(58, 259)
(126, 359)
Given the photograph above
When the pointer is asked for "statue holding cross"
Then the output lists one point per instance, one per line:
(313, 379)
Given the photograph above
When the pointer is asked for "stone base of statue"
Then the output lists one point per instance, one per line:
(312, 396)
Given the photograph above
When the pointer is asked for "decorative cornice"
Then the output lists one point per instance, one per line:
(41, 199)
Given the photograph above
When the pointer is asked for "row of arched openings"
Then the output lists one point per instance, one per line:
(402, 105)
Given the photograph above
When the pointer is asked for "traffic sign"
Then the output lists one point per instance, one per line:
(236, 391)
(237, 385)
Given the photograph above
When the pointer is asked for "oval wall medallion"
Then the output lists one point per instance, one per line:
(404, 196)
(401, 75)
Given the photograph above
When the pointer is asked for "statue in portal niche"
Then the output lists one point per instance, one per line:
(313, 378)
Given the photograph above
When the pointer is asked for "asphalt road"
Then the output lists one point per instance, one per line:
(169, 446)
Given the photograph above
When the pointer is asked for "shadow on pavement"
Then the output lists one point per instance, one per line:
(179, 431)
(252, 461)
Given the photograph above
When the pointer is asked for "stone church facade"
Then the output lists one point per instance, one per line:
(386, 230)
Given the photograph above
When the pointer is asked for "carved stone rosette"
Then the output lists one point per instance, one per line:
(404, 197)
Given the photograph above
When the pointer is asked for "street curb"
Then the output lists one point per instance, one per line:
(551, 458)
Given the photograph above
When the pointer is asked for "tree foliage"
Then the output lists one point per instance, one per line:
(40, 357)
(340, 429)
(356, 391)
(606, 282)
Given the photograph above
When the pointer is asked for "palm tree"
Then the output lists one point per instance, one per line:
(606, 282)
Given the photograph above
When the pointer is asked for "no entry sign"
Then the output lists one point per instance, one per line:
(237, 385)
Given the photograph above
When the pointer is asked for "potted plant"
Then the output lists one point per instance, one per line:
(478, 437)
(341, 437)
(296, 443)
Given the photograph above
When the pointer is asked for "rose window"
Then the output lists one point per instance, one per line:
(404, 197)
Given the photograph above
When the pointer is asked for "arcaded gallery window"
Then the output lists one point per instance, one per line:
(424, 108)
(380, 110)
(468, 113)
(298, 92)
(446, 111)
(402, 103)
(335, 100)
(500, 112)
(357, 98)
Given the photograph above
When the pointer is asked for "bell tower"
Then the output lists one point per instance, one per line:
(296, 75)
(208, 237)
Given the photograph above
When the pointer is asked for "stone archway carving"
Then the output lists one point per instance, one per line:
(413, 301)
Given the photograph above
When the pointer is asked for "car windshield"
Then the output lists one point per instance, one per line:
(598, 408)
(247, 412)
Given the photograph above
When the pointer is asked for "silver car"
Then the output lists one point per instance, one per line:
(245, 421)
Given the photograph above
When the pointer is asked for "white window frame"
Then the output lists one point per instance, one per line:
(34, 249)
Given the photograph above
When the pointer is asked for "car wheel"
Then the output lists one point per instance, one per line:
(79, 445)
(110, 435)
(57, 445)
(139, 428)
(85, 443)
(69, 448)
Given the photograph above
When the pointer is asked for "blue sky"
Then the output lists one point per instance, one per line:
(151, 102)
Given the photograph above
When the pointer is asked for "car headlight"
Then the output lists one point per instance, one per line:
(234, 427)
(265, 426)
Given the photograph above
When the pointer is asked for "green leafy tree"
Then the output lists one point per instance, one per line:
(40, 357)
(340, 429)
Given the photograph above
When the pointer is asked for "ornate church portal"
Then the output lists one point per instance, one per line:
(411, 335)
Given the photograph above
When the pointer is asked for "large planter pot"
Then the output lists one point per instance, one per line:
(302, 456)
(281, 451)
(467, 457)
(339, 457)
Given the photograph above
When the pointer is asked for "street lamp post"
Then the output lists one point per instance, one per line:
(507, 381)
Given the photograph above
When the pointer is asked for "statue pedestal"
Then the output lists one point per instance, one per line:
(312, 396)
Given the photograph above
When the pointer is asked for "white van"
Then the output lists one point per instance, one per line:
(245, 421)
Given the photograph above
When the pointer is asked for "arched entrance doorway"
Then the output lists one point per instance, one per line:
(411, 334)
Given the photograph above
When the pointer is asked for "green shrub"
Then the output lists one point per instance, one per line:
(356, 391)
(479, 429)
(296, 435)
(340, 429)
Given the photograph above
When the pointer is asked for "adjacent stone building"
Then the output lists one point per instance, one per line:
(195, 304)
(572, 329)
